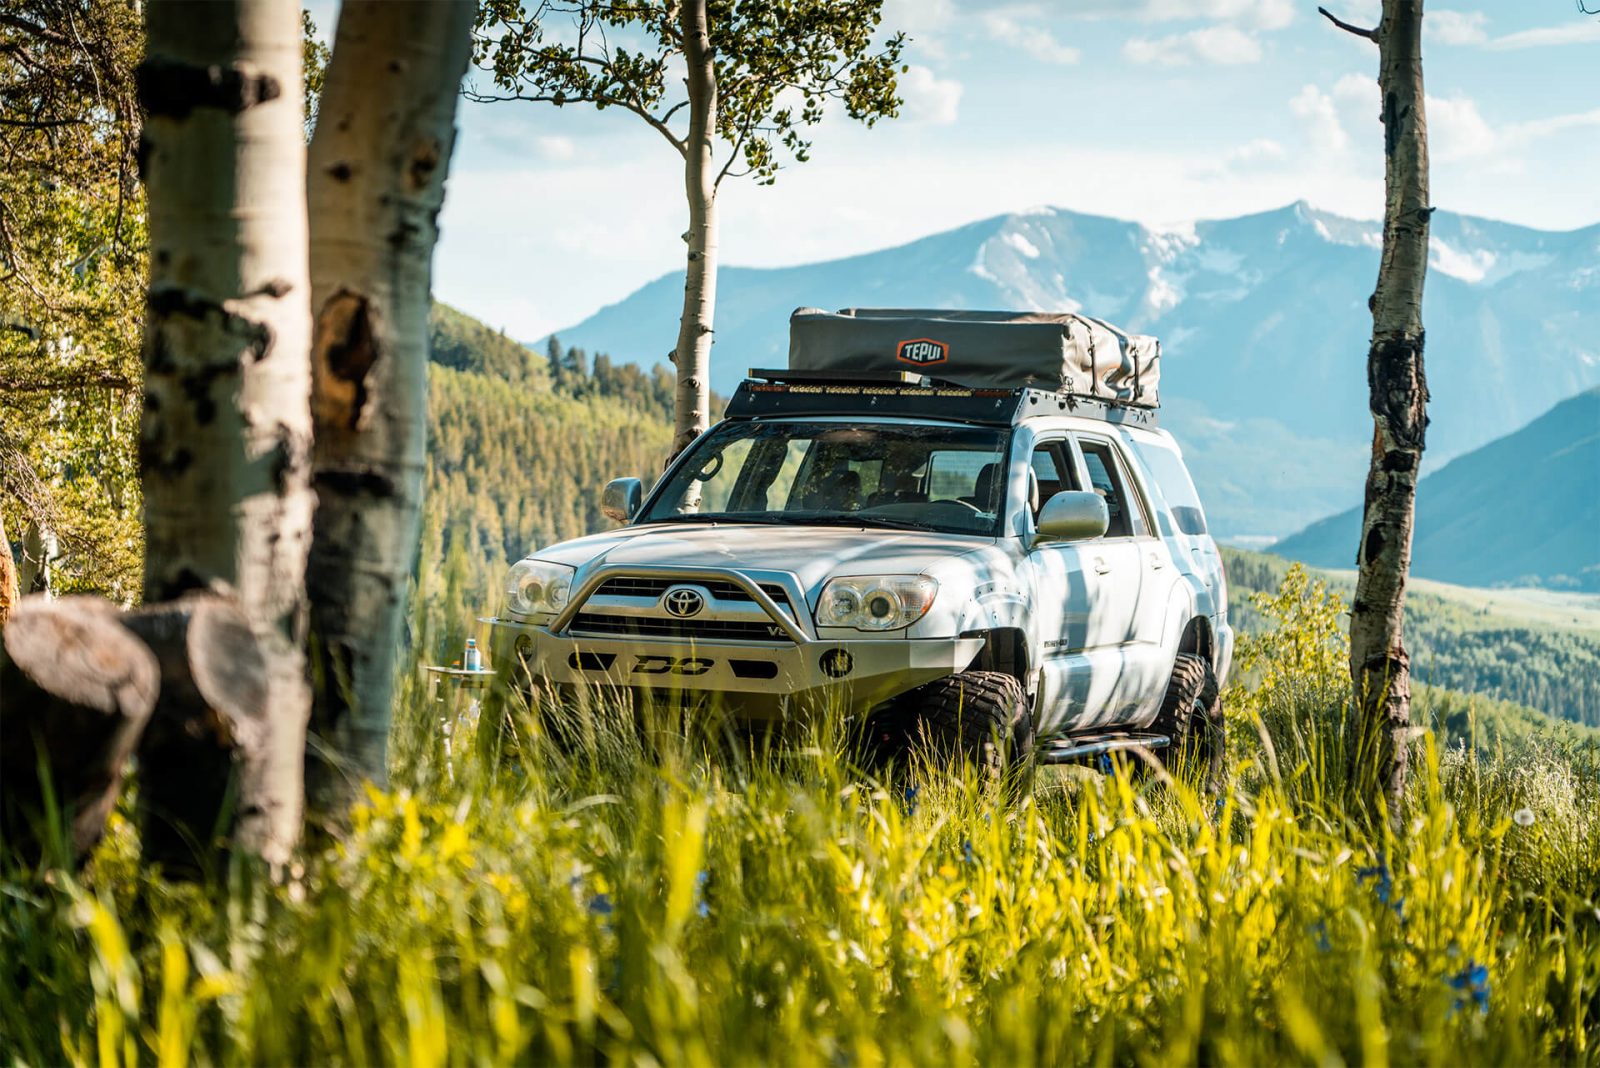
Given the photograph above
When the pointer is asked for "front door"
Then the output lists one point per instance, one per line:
(1127, 596)
(1080, 656)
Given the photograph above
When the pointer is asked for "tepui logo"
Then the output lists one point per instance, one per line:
(921, 351)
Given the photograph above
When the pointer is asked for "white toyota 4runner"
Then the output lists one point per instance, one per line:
(1010, 571)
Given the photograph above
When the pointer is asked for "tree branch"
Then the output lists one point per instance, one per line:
(40, 124)
(583, 98)
(33, 29)
(1371, 35)
(66, 381)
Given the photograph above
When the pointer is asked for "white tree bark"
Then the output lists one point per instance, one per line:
(693, 353)
(1379, 665)
(379, 157)
(226, 436)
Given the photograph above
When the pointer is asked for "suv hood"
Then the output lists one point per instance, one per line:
(813, 553)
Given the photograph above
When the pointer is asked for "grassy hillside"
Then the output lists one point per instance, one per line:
(660, 898)
(1502, 647)
(1522, 510)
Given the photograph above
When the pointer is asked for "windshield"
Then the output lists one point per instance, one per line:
(948, 479)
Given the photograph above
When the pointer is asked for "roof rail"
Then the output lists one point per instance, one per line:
(773, 393)
(851, 377)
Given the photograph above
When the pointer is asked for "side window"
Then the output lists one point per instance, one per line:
(1054, 470)
(1106, 478)
(1165, 468)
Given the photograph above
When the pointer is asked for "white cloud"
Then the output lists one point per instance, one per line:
(1323, 127)
(1356, 89)
(1456, 129)
(1253, 157)
(1035, 40)
(1578, 31)
(923, 21)
(1261, 150)
(1262, 14)
(557, 149)
(1222, 45)
(929, 98)
(1457, 27)
(1537, 128)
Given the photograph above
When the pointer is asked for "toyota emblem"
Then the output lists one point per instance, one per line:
(683, 602)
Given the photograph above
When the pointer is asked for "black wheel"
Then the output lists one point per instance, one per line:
(1191, 715)
(976, 717)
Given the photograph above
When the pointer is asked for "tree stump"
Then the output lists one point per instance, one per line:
(76, 690)
(209, 722)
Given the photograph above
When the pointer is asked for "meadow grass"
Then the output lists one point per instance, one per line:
(670, 898)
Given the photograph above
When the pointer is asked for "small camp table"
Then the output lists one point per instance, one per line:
(460, 691)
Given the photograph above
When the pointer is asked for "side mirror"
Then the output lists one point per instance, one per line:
(1073, 515)
(622, 499)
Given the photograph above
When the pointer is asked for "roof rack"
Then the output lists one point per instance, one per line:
(768, 394)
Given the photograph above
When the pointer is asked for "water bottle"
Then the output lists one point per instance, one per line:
(472, 660)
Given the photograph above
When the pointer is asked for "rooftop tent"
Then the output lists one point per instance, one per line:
(1047, 350)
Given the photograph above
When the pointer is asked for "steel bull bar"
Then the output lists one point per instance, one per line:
(789, 671)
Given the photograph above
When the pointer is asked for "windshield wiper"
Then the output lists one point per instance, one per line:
(858, 519)
(720, 517)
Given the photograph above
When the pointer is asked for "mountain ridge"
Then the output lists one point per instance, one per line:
(1263, 320)
(1464, 531)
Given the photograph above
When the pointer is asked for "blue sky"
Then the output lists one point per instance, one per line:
(1163, 111)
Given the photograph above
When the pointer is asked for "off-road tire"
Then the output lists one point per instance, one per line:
(977, 717)
(1191, 715)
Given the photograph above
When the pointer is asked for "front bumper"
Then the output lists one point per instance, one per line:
(752, 681)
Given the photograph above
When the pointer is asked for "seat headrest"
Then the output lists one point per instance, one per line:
(983, 487)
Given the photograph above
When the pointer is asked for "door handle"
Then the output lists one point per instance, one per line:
(1156, 563)
(1100, 565)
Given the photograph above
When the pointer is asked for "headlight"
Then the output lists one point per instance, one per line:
(876, 602)
(534, 587)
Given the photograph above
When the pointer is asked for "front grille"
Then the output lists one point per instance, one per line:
(721, 589)
(709, 630)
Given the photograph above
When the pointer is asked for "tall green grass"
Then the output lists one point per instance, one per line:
(669, 897)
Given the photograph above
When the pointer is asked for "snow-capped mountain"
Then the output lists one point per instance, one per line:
(1263, 321)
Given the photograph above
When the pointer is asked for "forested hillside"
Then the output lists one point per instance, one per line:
(517, 458)
(1460, 646)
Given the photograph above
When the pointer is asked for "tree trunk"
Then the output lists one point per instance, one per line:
(693, 354)
(76, 690)
(212, 715)
(226, 437)
(38, 549)
(1379, 664)
(8, 576)
(378, 163)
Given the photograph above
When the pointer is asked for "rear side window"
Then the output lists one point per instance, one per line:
(1106, 479)
(1166, 468)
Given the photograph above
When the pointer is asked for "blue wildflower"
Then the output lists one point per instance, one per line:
(1105, 763)
(701, 908)
(909, 796)
(1320, 930)
(966, 851)
(600, 905)
(1383, 886)
(1471, 985)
